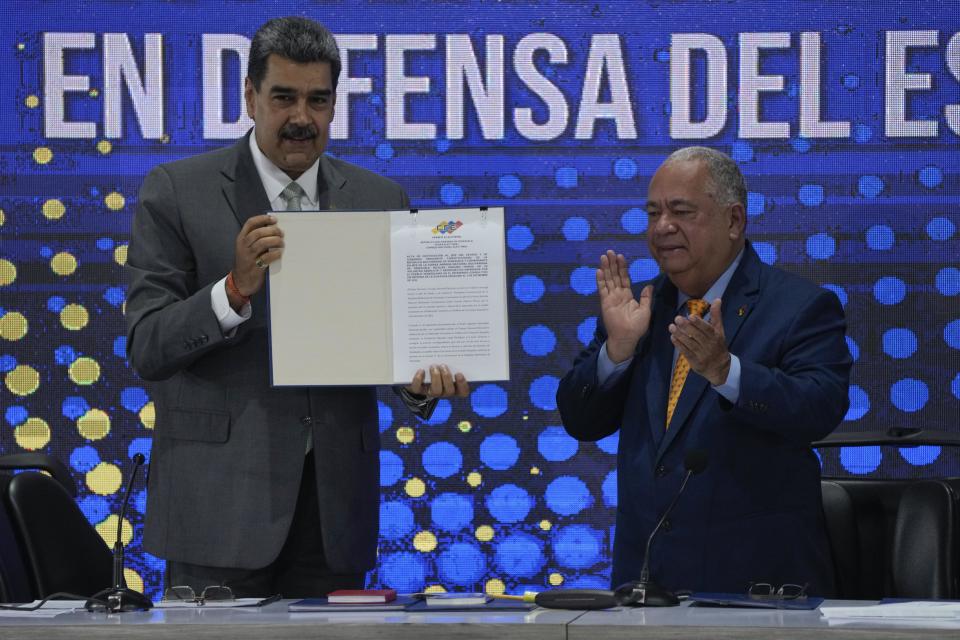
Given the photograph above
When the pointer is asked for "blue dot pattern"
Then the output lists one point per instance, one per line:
(492, 482)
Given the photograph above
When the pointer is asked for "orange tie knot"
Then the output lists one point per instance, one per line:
(697, 307)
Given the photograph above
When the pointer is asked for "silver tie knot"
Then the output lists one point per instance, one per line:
(292, 194)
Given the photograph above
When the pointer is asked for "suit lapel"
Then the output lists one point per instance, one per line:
(741, 294)
(330, 184)
(657, 384)
(241, 183)
(738, 300)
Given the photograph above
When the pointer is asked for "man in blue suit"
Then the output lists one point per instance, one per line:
(762, 374)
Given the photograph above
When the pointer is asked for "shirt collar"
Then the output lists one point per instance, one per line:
(718, 288)
(275, 180)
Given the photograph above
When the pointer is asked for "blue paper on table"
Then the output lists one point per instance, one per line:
(493, 605)
(743, 600)
(321, 604)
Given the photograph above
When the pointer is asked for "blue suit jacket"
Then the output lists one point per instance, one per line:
(755, 514)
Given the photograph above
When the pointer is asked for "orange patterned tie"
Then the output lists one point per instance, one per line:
(695, 307)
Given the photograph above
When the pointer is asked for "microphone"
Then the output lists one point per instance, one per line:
(644, 591)
(119, 597)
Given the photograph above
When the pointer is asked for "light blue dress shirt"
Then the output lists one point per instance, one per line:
(608, 372)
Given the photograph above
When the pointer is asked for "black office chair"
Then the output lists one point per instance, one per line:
(59, 549)
(925, 542)
(893, 538)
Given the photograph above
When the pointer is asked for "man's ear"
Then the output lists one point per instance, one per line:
(249, 96)
(737, 219)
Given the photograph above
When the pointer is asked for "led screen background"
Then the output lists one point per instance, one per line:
(855, 188)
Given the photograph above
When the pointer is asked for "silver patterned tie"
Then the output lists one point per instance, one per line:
(292, 194)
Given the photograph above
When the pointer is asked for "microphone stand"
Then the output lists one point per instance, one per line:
(645, 591)
(119, 597)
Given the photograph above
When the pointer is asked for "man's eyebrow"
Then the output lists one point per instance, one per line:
(291, 91)
(676, 202)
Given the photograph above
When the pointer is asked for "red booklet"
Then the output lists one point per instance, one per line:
(361, 596)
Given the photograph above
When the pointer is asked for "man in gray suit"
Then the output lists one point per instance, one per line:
(232, 499)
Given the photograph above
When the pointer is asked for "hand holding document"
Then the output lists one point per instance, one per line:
(365, 298)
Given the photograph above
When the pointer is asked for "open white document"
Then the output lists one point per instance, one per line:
(366, 298)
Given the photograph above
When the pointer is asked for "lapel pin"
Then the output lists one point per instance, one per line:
(742, 311)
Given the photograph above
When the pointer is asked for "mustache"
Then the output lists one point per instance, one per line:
(298, 132)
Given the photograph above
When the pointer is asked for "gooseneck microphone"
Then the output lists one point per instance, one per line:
(119, 597)
(645, 592)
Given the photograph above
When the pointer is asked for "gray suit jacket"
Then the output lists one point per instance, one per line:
(228, 448)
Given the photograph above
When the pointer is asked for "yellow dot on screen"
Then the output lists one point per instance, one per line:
(405, 435)
(8, 272)
(495, 586)
(415, 487)
(22, 380)
(120, 254)
(134, 581)
(63, 264)
(484, 533)
(474, 479)
(74, 317)
(534, 471)
(53, 209)
(84, 371)
(42, 155)
(435, 588)
(32, 434)
(93, 93)
(114, 201)
(556, 579)
(13, 325)
(94, 424)
(104, 480)
(21, 46)
(165, 138)
(546, 525)
(465, 426)
(3, 217)
(32, 101)
(104, 147)
(108, 530)
(148, 415)
(425, 541)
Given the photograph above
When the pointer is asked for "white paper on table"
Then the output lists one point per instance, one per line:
(448, 284)
(922, 609)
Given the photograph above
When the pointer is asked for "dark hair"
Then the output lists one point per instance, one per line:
(297, 39)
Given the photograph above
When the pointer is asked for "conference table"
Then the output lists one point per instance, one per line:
(274, 622)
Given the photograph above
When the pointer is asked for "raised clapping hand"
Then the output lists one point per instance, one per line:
(625, 319)
(259, 243)
(443, 384)
(704, 344)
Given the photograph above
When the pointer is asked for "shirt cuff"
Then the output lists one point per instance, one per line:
(228, 319)
(607, 371)
(731, 388)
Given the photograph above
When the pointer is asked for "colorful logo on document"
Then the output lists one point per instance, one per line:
(447, 227)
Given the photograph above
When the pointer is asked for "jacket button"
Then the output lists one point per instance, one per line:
(666, 525)
(661, 471)
(306, 421)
